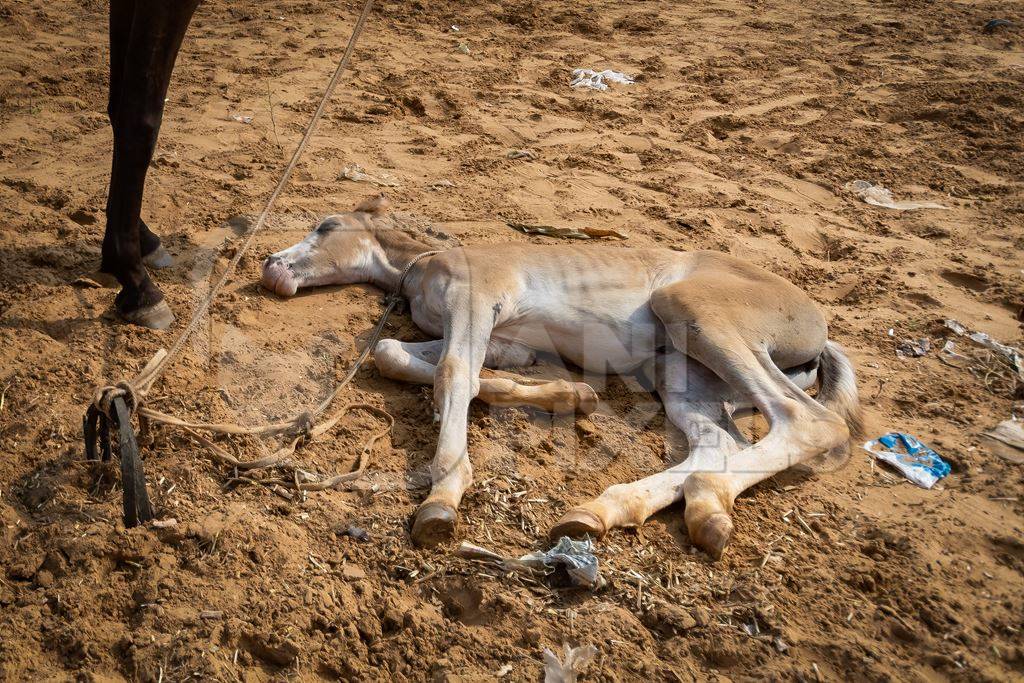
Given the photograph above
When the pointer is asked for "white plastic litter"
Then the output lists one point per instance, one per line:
(241, 119)
(950, 356)
(355, 173)
(877, 195)
(1013, 355)
(527, 154)
(598, 80)
(566, 670)
(1008, 438)
(914, 348)
(913, 459)
(576, 556)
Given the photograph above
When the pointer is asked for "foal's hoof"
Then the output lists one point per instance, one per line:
(586, 398)
(577, 523)
(713, 534)
(155, 317)
(435, 523)
(158, 258)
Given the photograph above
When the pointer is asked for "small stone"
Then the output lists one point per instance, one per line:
(357, 533)
(669, 619)
(353, 572)
(44, 579)
(586, 427)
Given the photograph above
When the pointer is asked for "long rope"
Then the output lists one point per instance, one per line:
(299, 427)
(193, 324)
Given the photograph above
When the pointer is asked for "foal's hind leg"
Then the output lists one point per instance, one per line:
(699, 403)
(694, 400)
(417, 363)
(737, 345)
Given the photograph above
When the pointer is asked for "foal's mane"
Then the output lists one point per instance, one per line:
(418, 228)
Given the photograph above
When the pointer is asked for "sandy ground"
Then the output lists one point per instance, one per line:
(747, 120)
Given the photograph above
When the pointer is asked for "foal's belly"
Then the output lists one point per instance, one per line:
(608, 344)
(595, 317)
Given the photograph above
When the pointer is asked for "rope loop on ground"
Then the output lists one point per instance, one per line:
(301, 428)
(104, 396)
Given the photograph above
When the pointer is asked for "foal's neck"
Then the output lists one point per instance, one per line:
(397, 250)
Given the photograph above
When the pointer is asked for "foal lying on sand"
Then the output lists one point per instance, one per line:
(727, 335)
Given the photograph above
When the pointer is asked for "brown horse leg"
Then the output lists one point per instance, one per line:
(122, 12)
(145, 38)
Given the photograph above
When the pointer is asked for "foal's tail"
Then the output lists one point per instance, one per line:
(837, 387)
(837, 391)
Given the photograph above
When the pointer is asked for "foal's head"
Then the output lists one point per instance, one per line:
(340, 250)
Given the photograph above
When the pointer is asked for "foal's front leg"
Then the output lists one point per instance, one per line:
(468, 321)
(417, 362)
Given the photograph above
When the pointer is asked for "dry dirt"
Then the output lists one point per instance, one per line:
(747, 120)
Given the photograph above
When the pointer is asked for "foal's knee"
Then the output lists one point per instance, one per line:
(453, 374)
(388, 357)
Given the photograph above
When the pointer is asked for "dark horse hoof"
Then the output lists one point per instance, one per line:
(144, 306)
(155, 317)
(158, 258)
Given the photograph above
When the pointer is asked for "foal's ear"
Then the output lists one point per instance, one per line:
(376, 206)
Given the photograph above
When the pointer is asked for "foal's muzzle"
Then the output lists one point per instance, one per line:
(278, 277)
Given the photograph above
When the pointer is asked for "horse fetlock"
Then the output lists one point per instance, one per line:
(823, 431)
(708, 508)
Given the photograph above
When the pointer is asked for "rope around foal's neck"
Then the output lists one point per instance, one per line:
(392, 301)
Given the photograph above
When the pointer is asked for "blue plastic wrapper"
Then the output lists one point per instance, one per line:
(917, 462)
